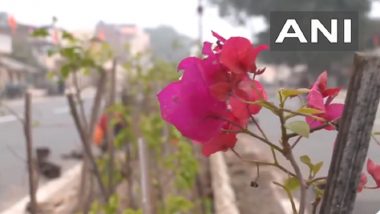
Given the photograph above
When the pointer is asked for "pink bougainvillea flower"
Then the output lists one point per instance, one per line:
(321, 86)
(374, 170)
(189, 106)
(216, 75)
(320, 97)
(239, 55)
(209, 97)
(363, 181)
(226, 139)
(251, 91)
(228, 63)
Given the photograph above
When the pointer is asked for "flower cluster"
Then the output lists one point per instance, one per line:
(320, 97)
(209, 104)
(374, 170)
(218, 94)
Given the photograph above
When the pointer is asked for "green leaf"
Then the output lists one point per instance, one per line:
(177, 204)
(285, 93)
(70, 53)
(316, 167)
(51, 52)
(68, 36)
(66, 70)
(299, 127)
(308, 110)
(306, 160)
(291, 184)
(50, 75)
(40, 32)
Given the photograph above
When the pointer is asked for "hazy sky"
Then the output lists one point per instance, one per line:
(84, 14)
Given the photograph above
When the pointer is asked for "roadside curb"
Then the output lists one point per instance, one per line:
(49, 191)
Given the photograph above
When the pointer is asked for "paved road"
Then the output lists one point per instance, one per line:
(319, 147)
(53, 128)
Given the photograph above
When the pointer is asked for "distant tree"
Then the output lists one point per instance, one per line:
(316, 61)
(167, 44)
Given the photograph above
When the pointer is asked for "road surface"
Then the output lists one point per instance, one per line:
(53, 128)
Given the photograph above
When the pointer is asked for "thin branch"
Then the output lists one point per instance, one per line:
(97, 101)
(259, 128)
(375, 139)
(85, 142)
(298, 173)
(303, 114)
(246, 131)
(315, 204)
(314, 180)
(289, 155)
(262, 163)
(84, 199)
(296, 142)
(290, 196)
(78, 95)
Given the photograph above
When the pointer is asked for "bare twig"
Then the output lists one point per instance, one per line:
(375, 139)
(84, 199)
(29, 153)
(85, 142)
(256, 162)
(315, 204)
(97, 101)
(299, 176)
(259, 128)
(296, 142)
(78, 95)
(246, 131)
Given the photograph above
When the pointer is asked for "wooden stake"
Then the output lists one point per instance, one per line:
(29, 152)
(353, 139)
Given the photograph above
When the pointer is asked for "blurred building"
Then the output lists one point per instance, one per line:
(24, 60)
(124, 39)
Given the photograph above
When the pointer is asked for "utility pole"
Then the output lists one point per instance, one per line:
(200, 22)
